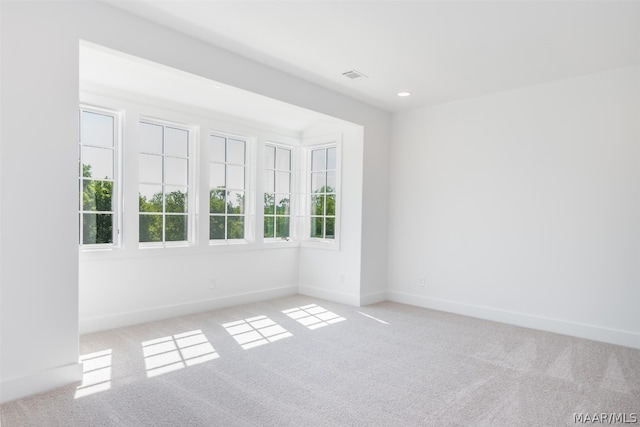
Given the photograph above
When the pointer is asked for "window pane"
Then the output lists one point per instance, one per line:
(217, 201)
(317, 227)
(331, 204)
(217, 148)
(331, 182)
(97, 162)
(318, 182)
(235, 177)
(269, 203)
(317, 205)
(175, 199)
(269, 230)
(175, 228)
(150, 198)
(97, 228)
(235, 202)
(235, 226)
(176, 142)
(318, 159)
(175, 171)
(150, 138)
(283, 182)
(216, 175)
(283, 158)
(331, 228)
(282, 226)
(269, 182)
(150, 168)
(216, 227)
(331, 158)
(97, 129)
(150, 228)
(282, 204)
(269, 157)
(97, 195)
(235, 151)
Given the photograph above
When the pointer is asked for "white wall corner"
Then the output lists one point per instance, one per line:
(339, 297)
(373, 298)
(119, 320)
(579, 330)
(17, 388)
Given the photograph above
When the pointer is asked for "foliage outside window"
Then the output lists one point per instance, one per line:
(277, 192)
(97, 176)
(227, 172)
(323, 193)
(163, 162)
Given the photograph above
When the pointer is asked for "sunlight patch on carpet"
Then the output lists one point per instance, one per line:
(175, 352)
(96, 373)
(313, 316)
(256, 331)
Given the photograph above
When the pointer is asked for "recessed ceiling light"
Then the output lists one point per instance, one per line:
(404, 93)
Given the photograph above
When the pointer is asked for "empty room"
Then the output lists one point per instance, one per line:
(319, 213)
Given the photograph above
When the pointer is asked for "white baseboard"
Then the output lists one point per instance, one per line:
(16, 388)
(373, 298)
(341, 297)
(580, 330)
(119, 320)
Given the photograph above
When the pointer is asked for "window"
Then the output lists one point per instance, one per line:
(227, 187)
(277, 192)
(97, 176)
(323, 177)
(163, 162)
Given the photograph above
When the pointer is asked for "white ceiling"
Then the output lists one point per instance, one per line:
(437, 50)
(107, 68)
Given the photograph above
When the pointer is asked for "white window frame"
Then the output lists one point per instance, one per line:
(192, 189)
(249, 188)
(116, 191)
(293, 187)
(329, 141)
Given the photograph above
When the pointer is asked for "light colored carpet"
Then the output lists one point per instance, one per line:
(301, 361)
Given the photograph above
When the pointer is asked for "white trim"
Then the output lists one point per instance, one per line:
(17, 388)
(340, 297)
(580, 330)
(119, 320)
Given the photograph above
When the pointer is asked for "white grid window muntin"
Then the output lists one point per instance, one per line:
(278, 161)
(99, 134)
(323, 184)
(227, 187)
(164, 182)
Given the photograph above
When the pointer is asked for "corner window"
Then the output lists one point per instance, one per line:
(163, 175)
(323, 192)
(227, 187)
(97, 177)
(277, 192)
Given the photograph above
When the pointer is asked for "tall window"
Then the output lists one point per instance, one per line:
(97, 172)
(277, 192)
(323, 192)
(163, 161)
(227, 190)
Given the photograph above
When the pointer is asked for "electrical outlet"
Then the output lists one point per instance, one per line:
(422, 282)
(212, 284)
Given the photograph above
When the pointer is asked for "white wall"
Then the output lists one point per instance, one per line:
(39, 115)
(524, 207)
(39, 275)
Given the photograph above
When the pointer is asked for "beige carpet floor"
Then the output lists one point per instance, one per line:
(300, 361)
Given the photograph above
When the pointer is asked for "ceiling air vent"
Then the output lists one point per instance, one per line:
(353, 74)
